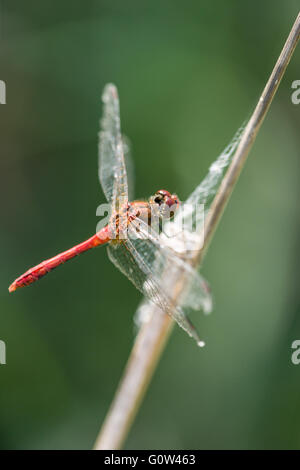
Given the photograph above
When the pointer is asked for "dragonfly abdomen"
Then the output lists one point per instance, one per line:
(40, 270)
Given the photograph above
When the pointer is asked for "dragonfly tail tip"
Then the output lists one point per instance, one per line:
(12, 287)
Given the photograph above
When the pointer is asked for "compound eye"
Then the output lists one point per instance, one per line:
(158, 198)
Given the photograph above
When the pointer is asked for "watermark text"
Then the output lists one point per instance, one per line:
(296, 94)
(182, 227)
(2, 92)
(2, 352)
(296, 354)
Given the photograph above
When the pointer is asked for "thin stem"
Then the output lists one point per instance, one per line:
(249, 136)
(144, 356)
(153, 335)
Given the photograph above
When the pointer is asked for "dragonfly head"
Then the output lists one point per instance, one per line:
(168, 203)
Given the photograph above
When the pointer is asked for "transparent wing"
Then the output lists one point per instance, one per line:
(129, 166)
(189, 216)
(163, 261)
(112, 169)
(154, 271)
(130, 263)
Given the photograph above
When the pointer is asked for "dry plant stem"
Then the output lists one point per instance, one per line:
(154, 334)
(248, 138)
(138, 372)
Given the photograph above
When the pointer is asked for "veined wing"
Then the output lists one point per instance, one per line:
(112, 169)
(162, 260)
(129, 166)
(190, 215)
(132, 265)
(205, 192)
(154, 271)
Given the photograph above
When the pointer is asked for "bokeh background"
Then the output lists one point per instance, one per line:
(188, 74)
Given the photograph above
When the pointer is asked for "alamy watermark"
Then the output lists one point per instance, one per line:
(296, 94)
(147, 220)
(2, 352)
(2, 92)
(295, 358)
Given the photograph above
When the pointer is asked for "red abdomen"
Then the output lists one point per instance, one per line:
(35, 273)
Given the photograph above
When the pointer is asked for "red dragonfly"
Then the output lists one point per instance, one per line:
(133, 246)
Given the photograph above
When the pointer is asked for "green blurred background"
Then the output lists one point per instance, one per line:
(188, 74)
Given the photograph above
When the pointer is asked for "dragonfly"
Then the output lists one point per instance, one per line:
(138, 250)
